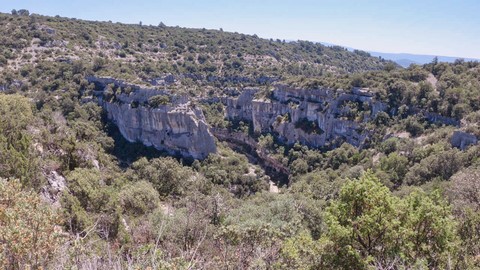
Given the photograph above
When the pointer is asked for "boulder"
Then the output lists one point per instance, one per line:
(51, 192)
(462, 139)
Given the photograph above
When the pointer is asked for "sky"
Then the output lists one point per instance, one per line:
(440, 27)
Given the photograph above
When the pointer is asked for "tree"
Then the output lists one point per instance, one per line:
(158, 100)
(91, 195)
(465, 195)
(368, 226)
(439, 165)
(301, 252)
(357, 81)
(362, 225)
(257, 228)
(98, 63)
(396, 166)
(396, 91)
(465, 188)
(167, 175)
(139, 198)
(428, 230)
(17, 157)
(23, 12)
(413, 126)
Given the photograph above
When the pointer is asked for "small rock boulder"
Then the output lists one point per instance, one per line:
(56, 184)
(462, 139)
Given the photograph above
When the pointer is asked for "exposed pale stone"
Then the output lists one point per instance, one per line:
(287, 107)
(166, 128)
(51, 192)
(178, 128)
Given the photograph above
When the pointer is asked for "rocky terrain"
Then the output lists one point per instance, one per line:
(319, 118)
(178, 127)
(316, 118)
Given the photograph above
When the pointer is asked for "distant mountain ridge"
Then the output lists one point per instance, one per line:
(406, 59)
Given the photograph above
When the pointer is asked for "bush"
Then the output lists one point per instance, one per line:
(139, 198)
(167, 176)
(414, 127)
(28, 237)
(441, 166)
(17, 158)
(215, 115)
(231, 170)
(368, 226)
(3, 60)
(91, 196)
(158, 100)
(308, 126)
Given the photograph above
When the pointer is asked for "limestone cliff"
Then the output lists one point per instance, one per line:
(178, 127)
(318, 118)
(313, 117)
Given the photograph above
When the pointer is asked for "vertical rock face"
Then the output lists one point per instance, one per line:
(178, 128)
(312, 117)
(317, 118)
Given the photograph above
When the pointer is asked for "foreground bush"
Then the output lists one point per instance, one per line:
(28, 235)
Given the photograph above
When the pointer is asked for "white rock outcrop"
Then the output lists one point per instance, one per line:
(313, 117)
(178, 127)
(178, 130)
(317, 118)
(52, 191)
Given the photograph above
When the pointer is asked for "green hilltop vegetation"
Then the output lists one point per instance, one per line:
(74, 194)
(137, 52)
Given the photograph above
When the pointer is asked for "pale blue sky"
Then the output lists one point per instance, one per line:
(440, 27)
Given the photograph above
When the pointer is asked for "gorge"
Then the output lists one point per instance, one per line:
(318, 118)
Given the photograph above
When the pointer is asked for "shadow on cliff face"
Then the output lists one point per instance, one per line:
(127, 152)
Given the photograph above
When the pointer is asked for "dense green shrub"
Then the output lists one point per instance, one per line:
(17, 157)
(167, 175)
(139, 198)
(368, 226)
(233, 172)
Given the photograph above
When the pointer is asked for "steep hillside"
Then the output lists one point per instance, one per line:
(141, 52)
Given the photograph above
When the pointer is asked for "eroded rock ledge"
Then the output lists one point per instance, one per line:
(312, 117)
(178, 127)
(317, 118)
